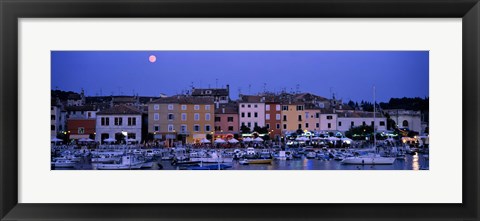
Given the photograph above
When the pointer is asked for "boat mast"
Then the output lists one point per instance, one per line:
(374, 119)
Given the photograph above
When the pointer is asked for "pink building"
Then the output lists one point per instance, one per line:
(226, 120)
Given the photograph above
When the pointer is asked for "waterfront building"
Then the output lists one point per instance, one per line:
(81, 121)
(273, 117)
(348, 120)
(76, 99)
(407, 119)
(293, 117)
(181, 118)
(226, 120)
(57, 118)
(252, 111)
(328, 120)
(312, 118)
(119, 122)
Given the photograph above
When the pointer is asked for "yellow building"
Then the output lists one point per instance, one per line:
(312, 119)
(293, 117)
(181, 118)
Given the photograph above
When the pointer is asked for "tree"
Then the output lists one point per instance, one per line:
(244, 129)
(359, 132)
(260, 130)
(299, 131)
(209, 136)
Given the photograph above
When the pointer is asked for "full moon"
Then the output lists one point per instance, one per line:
(152, 58)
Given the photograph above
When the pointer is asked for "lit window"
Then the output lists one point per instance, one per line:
(267, 116)
(267, 107)
(277, 107)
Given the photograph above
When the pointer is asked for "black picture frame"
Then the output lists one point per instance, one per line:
(12, 10)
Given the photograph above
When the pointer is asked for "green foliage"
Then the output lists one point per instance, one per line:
(209, 136)
(260, 130)
(244, 129)
(359, 133)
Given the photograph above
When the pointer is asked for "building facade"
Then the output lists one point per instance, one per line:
(120, 122)
(181, 118)
(407, 119)
(293, 117)
(273, 119)
(252, 111)
(226, 120)
(348, 120)
(312, 119)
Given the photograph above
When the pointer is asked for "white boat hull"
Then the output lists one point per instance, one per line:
(119, 166)
(369, 160)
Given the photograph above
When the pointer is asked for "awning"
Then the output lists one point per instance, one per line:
(79, 136)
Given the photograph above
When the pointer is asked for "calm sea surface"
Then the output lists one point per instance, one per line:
(411, 162)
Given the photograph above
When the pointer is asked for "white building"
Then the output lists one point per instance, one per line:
(328, 121)
(57, 120)
(251, 111)
(81, 112)
(407, 119)
(122, 119)
(347, 120)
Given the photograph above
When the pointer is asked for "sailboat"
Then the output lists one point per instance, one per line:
(372, 158)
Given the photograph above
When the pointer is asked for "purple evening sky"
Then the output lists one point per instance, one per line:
(348, 74)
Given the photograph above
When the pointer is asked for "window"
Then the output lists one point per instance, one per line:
(329, 117)
(255, 106)
(299, 107)
(249, 106)
(105, 121)
(207, 107)
(299, 126)
(284, 117)
(278, 126)
(82, 112)
(156, 128)
(307, 115)
(52, 117)
(52, 127)
(171, 116)
(339, 123)
(382, 123)
(132, 121)
(284, 126)
(217, 119)
(267, 107)
(299, 117)
(285, 107)
(118, 121)
(267, 125)
(255, 124)
(329, 125)
(81, 130)
(184, 107)
(317, 125)
(170, 107)
(183, 128)
(306, 125)
(243, 114)
(352, 124)
(267, 116)
(317, 115)
(405, 123)
(196, 117)
(243, 105)
(218, 128)
(196, 127)
(372, 124)
(156, 107)
(230, 119)
(277, 107)
(196, 107)
(243, 123)
(184, 116)
(277, 116)
(207, 128)
(255, 114)
(156, 116)
(249, 114)
(363, 123)
(89, 114)
(207, 116)
(249, 124)
(230, 128)
(170, 128)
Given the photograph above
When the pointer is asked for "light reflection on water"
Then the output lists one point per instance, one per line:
(415, 162)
